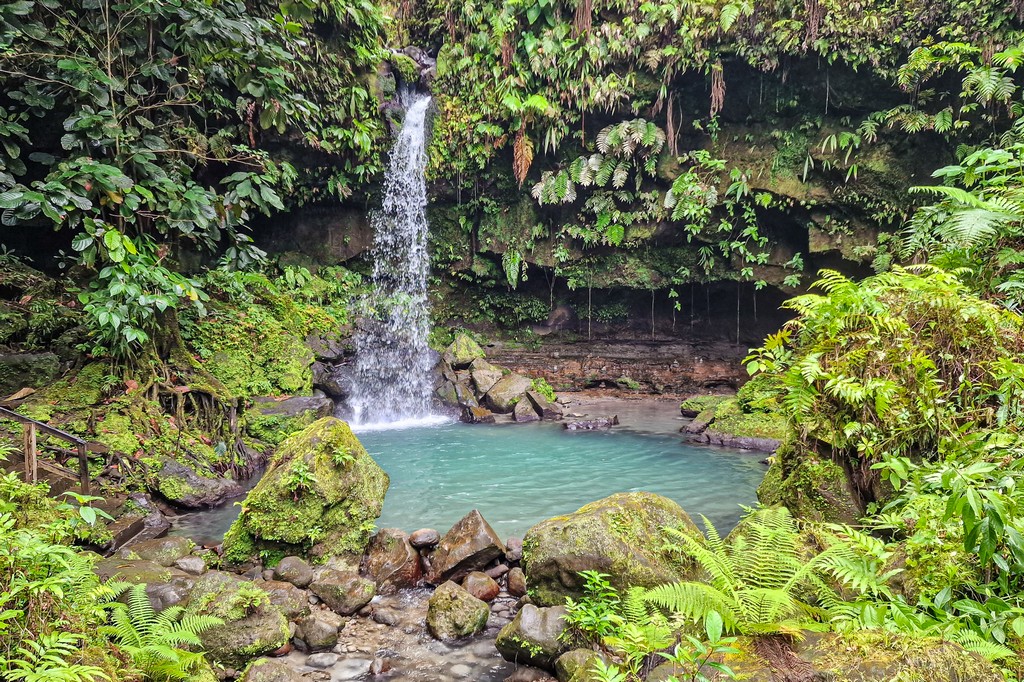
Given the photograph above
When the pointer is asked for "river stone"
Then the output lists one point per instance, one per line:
(392, 561)
(193, 565)
(517, 582)
(322, 660)
(424, 537)
(267, 670)
(186, 487)
(621, 535)
(343, 592)
(547, 410)
(524, 412)
(476, 415)
(534, 636)
(252, 625)
(470, 545)
(506, 391)
(292, 601)
(446, 393)
(481, 586)
(452, 613)
(578, 665)
(336, 511)
(514, 549)
(525, 673)
(484, 379)
(462, 351)
(163, 551)
(294, 570)
(319, 630)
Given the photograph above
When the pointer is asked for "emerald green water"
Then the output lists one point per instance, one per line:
(519, 474)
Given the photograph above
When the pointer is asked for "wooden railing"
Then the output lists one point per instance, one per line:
(30, 427)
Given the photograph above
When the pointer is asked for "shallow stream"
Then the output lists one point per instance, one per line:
(519, 474)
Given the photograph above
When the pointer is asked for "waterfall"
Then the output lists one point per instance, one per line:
(393, 365)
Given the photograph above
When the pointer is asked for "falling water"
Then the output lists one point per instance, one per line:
(393, 362)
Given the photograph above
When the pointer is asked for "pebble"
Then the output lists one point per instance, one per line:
(497, 571)
(379, 666)
(314, 600)
(322, 660)
(514, 549)
(268, 574)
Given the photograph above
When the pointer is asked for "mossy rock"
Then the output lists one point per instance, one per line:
(406, 67)
(188, 486)
(622, 535)
(452, 612)
(27, 370)
(811, 487)
(321, 488)
(463, 351)
(731, 418)
(695, 404)
(252, 625)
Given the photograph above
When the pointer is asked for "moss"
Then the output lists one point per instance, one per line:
(731, 418)
(337, 509)
(810, 486)
(696, 404)
(117, 432)
(272, 428)
(407, 68)
(83, 389)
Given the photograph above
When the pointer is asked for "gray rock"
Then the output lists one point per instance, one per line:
(534, 636)
(320, 629)
(343, 592)
(514, 549)
(290, 599)
(163, 551)
(193, 565)
(502, 396)
(294, 570)
(267, 670)
(547, 410)
(525, 412)
(576, 665)
(476, 415)
(27, 370)
(322, 660)
(485, 378)
(592, 424)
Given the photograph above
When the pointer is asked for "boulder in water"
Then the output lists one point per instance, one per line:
(267, 670)
(506, 391)
(525, 412)
(470, 545)
(319, 630)
(534, 636)
(622, 535)
(321, 488)
(481, 586)
(477, 415)
(452, 612)
(592, 424)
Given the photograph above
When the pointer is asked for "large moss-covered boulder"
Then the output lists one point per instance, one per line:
(252, 625)
(452, 612)
(27, 370)
(321, 493)
(811, 486)
(163, 551)
(622, 535)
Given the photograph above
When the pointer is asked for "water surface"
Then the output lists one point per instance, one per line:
(519, 474)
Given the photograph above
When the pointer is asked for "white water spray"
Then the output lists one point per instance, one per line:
(393, 361)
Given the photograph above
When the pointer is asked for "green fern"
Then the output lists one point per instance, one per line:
(753, 580)
(158, 643)
(46, 660)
